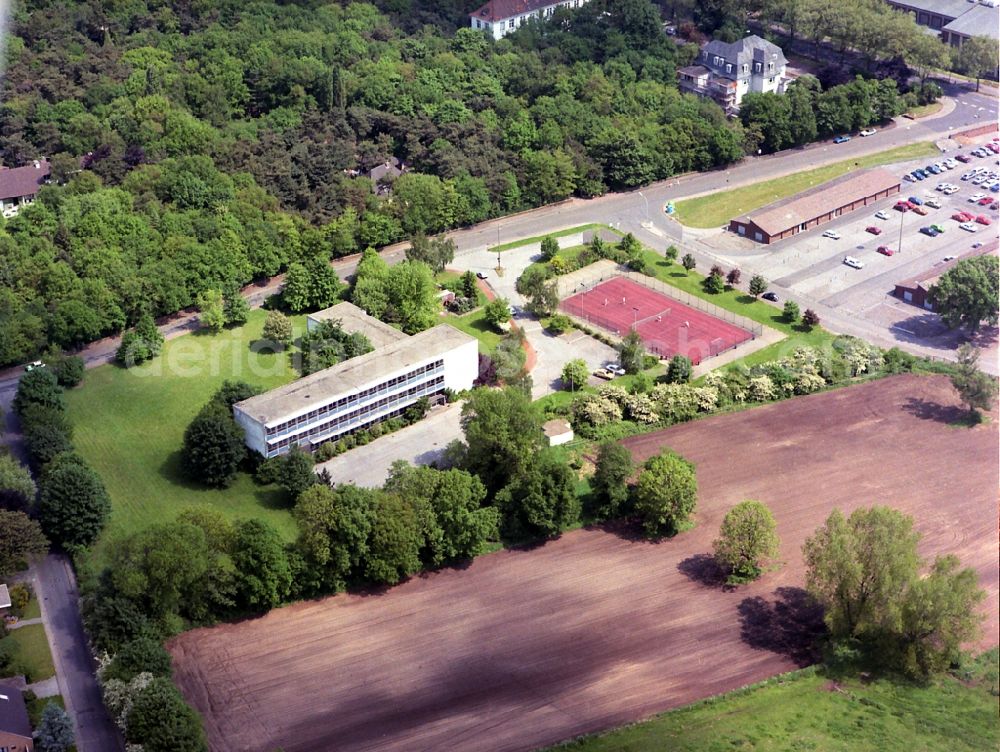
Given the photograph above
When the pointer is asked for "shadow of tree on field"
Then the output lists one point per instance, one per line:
(628, 529)
(705, 570)
(926, 410)
(790, 625)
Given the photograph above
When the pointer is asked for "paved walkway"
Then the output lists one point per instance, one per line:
(46, 688)
(24, 623)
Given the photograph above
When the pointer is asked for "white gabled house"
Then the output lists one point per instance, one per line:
(500, 17)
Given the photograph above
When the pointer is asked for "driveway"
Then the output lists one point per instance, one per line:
(419, 444)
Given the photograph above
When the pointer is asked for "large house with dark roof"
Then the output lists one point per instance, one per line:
(15, 728)
(500, 17)
(19, 185)
(727, 71)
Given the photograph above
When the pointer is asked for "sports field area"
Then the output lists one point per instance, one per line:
(524, 648)
(667, 326)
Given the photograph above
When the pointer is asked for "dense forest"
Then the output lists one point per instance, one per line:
(220, 142)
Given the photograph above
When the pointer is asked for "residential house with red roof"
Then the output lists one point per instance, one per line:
(19, 185)
(500, 17)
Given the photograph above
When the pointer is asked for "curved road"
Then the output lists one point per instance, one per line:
(639, 212)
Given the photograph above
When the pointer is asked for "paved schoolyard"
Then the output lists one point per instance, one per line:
(419, 444)
(552, 352)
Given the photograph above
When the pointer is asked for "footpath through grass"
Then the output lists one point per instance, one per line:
(129, 425)
(31, 655)
(717, 209)
(808, 711)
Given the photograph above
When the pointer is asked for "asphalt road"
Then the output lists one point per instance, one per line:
(59, 599)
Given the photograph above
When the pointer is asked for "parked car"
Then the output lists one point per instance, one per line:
(983, 220)
(995, 205)
(939, 228)
(920, 210)
(920, 174)
(773, 297)
(929, 232)
(841, 139)
(853, 262)
(480, 275)
(950, 190)
(963, 158)
(961, 216)
(985, 201)
(903, 206)
(885, 250)
(933, 203)
(615, 368)
(915, 200)
(868, 132)
(968, 226)
(974, 198)
(993, 147)
(874, 230)
(909, 178)
(603, 373)
(33, 365)
(968, 175)
(950, 163)
(952, 258)
(832, 234)
(933, 169)
(881, 214)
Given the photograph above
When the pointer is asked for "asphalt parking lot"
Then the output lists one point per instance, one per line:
(812, 266)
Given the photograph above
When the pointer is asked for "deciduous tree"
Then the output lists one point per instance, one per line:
(161, 721)
(612, 471)
(497, 312)
(575, 373)
(277, 328)
(73, 505)
(264, 578)
(978, 390)
(17, 487)
(213, 447)
(631, 352)
(748, 538)
(502, 431)
(758, 285)
(969, 294)
(666, 493)
(21, 540)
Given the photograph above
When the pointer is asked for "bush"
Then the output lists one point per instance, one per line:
(559, 323)
(612, 471)
(791, 311)
(678, 370)
(747, 539)
(68, 369)
(161, 721)
(143, 654)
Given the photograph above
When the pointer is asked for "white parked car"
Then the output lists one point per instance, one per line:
(868, 132)
(832, 234)
(950, 190)
(950, 163)
(940, 186)
(882, 214)
(933, 203)
(950, 258)
(853, 262)
(969, 175)
(909, 178)
(968, 226)
(975, 197)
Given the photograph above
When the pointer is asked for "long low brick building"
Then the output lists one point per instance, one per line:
(916, 289)
(816, 206)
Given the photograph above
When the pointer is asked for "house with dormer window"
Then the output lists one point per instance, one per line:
(726, 71)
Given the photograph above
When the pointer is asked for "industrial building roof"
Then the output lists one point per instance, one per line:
(351, 375)
(355, 320)
(788, 213)
(977, 21)
(929, 277)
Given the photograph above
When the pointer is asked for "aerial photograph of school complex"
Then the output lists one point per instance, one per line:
(499, 375)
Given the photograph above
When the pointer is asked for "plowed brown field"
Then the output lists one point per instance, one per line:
(524, 648)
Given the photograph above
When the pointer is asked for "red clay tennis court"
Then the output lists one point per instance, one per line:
(667, 326)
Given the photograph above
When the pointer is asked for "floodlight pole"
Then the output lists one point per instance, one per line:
(902, 216)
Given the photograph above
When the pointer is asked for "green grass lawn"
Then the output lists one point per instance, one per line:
(538, 239)
(717, 209)
(806, 711)
(32, 610)
(129, 424)
(31, 652)
(473, 323)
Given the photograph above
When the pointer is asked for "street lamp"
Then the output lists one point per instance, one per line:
(635, 316)
(646, 200)
(902, 216)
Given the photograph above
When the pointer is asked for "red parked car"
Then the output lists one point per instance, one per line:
(964, 158)
(903, 206)
(983, 219)
(874, 230)
(885, 250)
(985, 200)
(962, 217)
